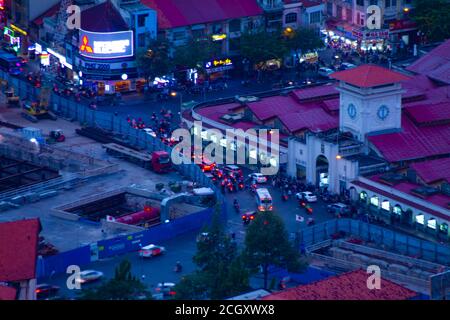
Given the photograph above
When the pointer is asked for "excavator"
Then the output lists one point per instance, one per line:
(37, 110)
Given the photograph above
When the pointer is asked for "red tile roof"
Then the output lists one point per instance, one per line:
(435, 64)
(368, 75)
(347, 286)
(331, 105)
(323, 92)
(437, 113)
(413, 142)
(18, 249)
(7, 293)
(433, 170)
(270, 107)
(178, 13)
(103, 18)
(406, 188)
(314, 119)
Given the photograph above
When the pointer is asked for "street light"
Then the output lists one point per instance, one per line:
(174, 94)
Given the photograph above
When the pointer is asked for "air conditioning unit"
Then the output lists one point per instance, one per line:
(232, 117)
(247, 99)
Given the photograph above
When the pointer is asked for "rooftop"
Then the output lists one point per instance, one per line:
(18, 249)
(367, 76)
(433, 170)
(435, 64)
(347, 286)
(7, 293)
(179, 13)
(103, 18)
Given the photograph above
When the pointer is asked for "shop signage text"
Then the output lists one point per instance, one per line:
(106, 45)
(218, 65)
(97, 66)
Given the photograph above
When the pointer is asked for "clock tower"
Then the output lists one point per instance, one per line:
(370, 100)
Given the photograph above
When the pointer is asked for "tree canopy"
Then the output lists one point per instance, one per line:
(267, 243)
(432, 18)
(155, 61)
(195, 53)
(221, 270)
(261, 46)
(124, 286)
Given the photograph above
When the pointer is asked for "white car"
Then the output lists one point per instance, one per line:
(151, 251)
(325, 72)
(89, 276)
(346, 66)
(150, 132)
(258, 177)
(308, 196)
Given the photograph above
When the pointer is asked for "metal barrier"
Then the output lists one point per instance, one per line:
(385, 238)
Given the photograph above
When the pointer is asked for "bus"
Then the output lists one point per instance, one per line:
(10, 63)
(263, 200)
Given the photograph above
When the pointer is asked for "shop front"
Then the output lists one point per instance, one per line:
(16, 38)
(105, 62)
(372, 40)
(218, 68)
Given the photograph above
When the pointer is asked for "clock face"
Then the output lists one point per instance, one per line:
(383, 112)
(351, 111)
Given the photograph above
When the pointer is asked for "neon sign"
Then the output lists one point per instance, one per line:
(108, 45)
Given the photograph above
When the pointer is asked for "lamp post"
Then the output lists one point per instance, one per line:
(180, 94)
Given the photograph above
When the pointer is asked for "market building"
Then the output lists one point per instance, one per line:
(376, 135)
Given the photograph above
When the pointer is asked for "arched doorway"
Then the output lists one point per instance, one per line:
(353, 194)
(397, 213)
(322, 166)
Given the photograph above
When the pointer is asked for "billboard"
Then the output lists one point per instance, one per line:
(106, 45)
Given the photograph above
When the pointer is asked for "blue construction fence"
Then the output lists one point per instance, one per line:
(390, 240)
(103, 249)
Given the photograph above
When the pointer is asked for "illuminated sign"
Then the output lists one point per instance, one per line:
(60, 57)
(219, 37)
(218, 65)
(17, 29)
(109, 45)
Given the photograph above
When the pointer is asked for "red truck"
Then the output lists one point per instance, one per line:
(161, 161)
(158, 161)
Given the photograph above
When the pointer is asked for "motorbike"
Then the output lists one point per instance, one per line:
(285, 197)
(178, 268)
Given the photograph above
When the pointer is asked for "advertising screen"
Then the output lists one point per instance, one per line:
(106, 45)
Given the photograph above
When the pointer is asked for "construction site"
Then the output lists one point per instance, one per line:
(55, 163)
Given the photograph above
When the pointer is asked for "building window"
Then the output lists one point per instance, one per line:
(141, 20)
(397, 210)
(385, 205)
(373, 2)
(291, 18)
(387, 3)
(363, 196)
(235, 25)
(431, 224)
(443, 227)
(217, 28)
(420, 219)
(179, 35)
(141, 40)
(330, 8)
(235, 44)
(375, 201)
(360, 2)
(315, 17)
(199, 33)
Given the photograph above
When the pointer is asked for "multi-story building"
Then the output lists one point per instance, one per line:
(349, 19)
(223, 21)
(305, 13)
(273, 13)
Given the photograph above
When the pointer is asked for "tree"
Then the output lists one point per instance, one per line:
(304, 39)
(221, 270)
(195, 53)
(124, 286)
(155, 61)
(267, 243)
(432, 18)
(261, 46)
